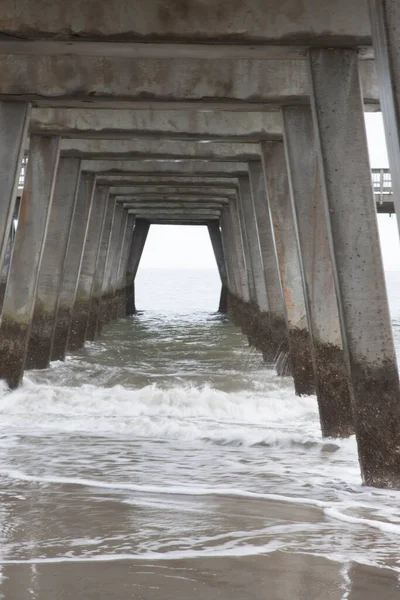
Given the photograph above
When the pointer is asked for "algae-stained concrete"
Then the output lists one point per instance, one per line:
(33, 221)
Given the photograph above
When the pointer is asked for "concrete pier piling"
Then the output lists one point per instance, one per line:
(14, 120)
(357, 264)
(52, 265)
(106, 300)
(274, 163)
(93, 326)
(20, 293)
(121, 278)
(258, 309)
(273, 327)
(117, 265)
(81, 307)
(214, 232)
(320, 297)
(72, 265)
(139, 237)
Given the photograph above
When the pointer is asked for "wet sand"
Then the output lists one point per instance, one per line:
(279, 576)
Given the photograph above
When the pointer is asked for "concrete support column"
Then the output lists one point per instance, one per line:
(230, 272)
(216, 242)
(121, 279)
(276, 343)
(385, 21)
(135, 254)
(52, 265)
(80, 311)
(20, 293)
(14, 121)
(117, 265)
(72, 265)
(93, 326)
(244, 192)
(238, 248)
(106, 300)
(321, 305)
(274, 163)
(357, 263)
(253, 243)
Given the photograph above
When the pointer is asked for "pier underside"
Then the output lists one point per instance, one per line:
(246, 117)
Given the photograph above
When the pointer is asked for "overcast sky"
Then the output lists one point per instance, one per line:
(170, 246)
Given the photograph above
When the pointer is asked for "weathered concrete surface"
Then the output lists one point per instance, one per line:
(94, 325)
(155, 167)
(274, 163)
(251, 234)
(161, 150)
(358, 271)
(157, 124)
(231, 272)
(155, 191)
(20, 293)
(216, 242)
(271, 332)
(72, 266)
(179, 180)
(52, 265)
(14, 120)
(71, 81)
(81, 307)
(211, 21)
(237, 243)
(139, 237)
(121, 278)
(117, 265)
(106, 300)
(330, 373)
(176, 214)
(385, 20)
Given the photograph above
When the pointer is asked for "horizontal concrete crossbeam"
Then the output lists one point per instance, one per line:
(149, 191)
(215, 21)
(165, 150)
(90, 81)
(176, 168)
(168, 180)
(157, 124)
(166, 199)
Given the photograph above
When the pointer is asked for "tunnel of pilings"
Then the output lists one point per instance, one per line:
(246, 118)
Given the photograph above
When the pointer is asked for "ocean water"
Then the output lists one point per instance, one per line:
(168, 442)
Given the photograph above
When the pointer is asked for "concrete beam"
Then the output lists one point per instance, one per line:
(225, 84)
(214, 21)
(168, 180)
(165, 168)
(175, 215)
(141, 206)
(157, 124)
(152, 191)
(159, 150)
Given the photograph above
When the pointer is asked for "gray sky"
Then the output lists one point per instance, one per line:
(170, 246)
